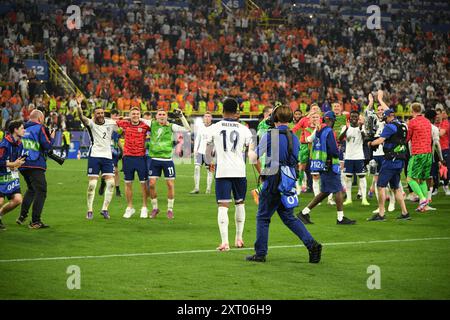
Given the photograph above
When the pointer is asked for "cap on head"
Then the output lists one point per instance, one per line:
(329, 115)
(388, 112)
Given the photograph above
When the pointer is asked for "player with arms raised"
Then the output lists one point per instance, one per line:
(100, 157)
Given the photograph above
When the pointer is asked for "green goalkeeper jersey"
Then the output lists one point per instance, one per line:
(263, 127)
(160, 145)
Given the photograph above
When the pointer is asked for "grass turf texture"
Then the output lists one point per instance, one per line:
(409, 270)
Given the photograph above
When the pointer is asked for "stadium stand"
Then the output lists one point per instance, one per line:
(189, 54)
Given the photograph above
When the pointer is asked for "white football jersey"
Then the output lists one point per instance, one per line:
(353, 144)
(230, 139)
(200, 139)
(100, 135)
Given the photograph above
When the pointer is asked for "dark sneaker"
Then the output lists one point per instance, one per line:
(38, 225)
(305, 218)
(118, 194)
(21, 220)
(315, 252)
(404, 217)
(2, 226)
(345, 220)
(101, 191)
(89, 215)
(105, 214)
(256, 258)
(376, 217)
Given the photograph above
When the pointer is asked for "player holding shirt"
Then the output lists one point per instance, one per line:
(100, 157)
(160, 151)
(419, 166)
(354, 156)
(230, 139)
(134, 160)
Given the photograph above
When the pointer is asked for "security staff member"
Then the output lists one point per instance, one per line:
(325, 160)
(281, 163)
(394, 138)
(36, 144)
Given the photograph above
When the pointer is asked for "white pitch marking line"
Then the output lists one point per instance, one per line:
(211, 251)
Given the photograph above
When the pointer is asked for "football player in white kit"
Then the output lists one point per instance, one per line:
(100, 156)
(354, 156)
(202, 154)
(230, 138)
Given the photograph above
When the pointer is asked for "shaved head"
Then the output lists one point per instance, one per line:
(37, 115)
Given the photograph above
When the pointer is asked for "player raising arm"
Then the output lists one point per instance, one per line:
(160, 151)
(100, 157)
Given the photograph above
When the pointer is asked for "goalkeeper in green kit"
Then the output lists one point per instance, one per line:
(160, 151)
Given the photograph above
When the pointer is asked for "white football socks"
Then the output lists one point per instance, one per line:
(170, 204)
(316, 187)
(154, 203)
(240, 220)
(222, 219)
(363, 187)
(348, 187)
(109, 191)
(91, 193)
(209, 179)
(196, 177)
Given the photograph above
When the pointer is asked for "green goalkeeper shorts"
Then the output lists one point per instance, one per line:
(303, 154)
(419, 166)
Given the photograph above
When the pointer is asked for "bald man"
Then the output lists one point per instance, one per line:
(36, 144)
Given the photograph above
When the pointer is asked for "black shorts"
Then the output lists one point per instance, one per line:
(9, 196)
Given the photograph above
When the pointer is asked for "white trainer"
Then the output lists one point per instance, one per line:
(128, 213)
(144, 213)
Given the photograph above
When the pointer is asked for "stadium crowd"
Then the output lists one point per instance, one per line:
(128, 55)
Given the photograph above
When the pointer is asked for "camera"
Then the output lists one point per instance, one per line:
(55, 157)
(50, 154)
(177, 113)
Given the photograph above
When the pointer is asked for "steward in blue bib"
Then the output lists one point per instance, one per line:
(278, 191)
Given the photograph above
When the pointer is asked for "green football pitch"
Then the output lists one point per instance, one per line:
(176, 259)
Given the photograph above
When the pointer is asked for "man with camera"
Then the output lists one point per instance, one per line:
(37, 144)
(394, 139)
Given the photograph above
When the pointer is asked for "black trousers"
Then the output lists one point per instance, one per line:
(36, 193)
